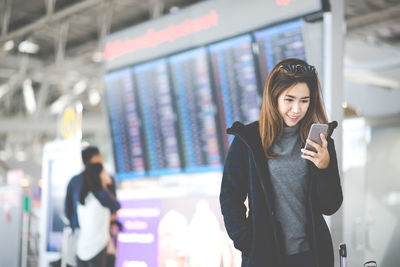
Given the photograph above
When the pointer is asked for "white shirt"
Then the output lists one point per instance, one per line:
(94, 222)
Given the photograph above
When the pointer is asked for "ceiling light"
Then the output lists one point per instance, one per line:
(58, 105)
(4, 155)
(29, 96)
(94, 97)
(7, 46)
(20, 156)
(97, 57)
(393, 199)
(85, 144)
(174, 10)
(79, 107)
(79, 87)
(28, 47)
(24, 182)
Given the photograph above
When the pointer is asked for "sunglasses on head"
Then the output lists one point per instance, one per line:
(297, 68)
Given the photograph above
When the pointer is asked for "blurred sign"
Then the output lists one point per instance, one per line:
(70, 122)
(174, 231)
(199, 24)
(61, 161)
(14, 177)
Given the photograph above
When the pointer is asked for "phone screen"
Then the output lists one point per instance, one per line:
(313, 135)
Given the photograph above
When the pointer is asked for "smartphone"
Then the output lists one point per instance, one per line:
(314, 133)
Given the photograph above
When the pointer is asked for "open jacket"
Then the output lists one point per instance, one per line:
(258, 234)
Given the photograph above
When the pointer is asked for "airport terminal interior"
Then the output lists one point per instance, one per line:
(154, 85)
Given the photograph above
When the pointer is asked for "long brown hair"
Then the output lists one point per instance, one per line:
(285, 74)
(91, 181)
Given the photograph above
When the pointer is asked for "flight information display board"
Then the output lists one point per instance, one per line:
(159, 117)
(277, 43)
(196, 110)
(125, 124)
(235, 82)
(169, 115)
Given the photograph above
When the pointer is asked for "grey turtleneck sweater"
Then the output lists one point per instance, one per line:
(289, 181)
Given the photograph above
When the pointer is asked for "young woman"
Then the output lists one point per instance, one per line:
(287, 192)
(96, 204)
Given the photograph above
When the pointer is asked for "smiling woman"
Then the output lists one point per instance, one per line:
(287, 192)
(293, 103)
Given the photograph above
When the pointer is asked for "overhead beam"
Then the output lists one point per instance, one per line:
(156, 8)
(60, 15)
(386, 64)
(363, 21)
(50, 7)
(60, 43)
(15, 81)
(104, 20)
(92, 124)
(12, 62)
(6, 17)
(42, 96)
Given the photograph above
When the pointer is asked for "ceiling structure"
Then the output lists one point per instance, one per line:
(69, 36)
(67, 65)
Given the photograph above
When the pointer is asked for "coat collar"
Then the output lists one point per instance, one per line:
(250, 133)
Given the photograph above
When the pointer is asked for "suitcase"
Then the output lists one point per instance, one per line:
(370, 264)
(343, 256)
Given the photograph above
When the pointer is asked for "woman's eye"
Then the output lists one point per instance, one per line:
(289, 100)
(305, 101)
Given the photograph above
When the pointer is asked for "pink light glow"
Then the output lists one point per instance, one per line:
(283, 2)
(153, 38)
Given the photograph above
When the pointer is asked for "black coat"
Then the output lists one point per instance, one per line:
(257, 235)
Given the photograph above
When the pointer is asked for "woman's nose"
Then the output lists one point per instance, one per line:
(295, 108)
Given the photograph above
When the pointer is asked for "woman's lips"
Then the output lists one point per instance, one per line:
(292, 118)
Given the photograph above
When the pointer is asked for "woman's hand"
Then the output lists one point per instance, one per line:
(321, 157)
(105, 179)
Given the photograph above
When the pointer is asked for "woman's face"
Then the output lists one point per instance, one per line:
(293, 103)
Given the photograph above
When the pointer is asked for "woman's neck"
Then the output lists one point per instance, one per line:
(291, 130)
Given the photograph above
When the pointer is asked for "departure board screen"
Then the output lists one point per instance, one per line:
(159, 117)
(125, 125)
(196, 110)
(235, 82)
(277, 43)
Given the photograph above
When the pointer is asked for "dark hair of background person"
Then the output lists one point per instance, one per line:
(91, 181)
(271, 123)
(88, 153)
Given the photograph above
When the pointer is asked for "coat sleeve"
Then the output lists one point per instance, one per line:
(328, 189)
(234, 190)
(108, 201)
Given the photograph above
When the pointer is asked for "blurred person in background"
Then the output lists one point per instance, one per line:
(95, 208)
(90, 155)
(288, 188)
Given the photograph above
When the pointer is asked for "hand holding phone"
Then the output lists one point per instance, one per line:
(321, 157)
(314, 135)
